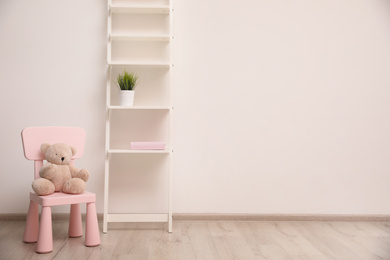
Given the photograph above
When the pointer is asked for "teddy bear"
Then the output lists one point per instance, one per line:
(58, 174)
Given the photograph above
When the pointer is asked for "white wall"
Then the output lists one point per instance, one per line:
(280, 106)
(52, 72)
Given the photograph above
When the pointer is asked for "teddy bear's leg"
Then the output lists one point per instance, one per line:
(74, 186)
(43, 187)
(83, 174)
(76, 173)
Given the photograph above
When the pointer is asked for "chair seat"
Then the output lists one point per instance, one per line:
(60, 198)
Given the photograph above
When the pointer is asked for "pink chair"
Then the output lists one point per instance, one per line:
(41, 233)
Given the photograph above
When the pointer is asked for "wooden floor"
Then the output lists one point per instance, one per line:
(212, 240)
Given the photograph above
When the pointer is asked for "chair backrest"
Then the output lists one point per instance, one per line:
(33, 137)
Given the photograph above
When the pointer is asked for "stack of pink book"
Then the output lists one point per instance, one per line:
(147, 145)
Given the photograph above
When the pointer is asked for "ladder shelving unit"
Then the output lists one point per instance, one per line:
(139, 39)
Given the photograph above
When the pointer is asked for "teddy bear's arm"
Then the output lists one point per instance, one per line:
(48, 171)
(76, 173)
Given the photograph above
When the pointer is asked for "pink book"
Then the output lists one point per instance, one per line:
(147, 145)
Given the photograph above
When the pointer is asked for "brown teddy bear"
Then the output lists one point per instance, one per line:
(58, 174)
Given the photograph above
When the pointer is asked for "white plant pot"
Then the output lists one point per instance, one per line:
(126, 98)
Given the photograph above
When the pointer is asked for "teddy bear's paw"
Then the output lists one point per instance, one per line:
(48, 170)
(74, 186)
(83, 174)
(43, 187)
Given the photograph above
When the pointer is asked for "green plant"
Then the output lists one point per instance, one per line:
(127, 81)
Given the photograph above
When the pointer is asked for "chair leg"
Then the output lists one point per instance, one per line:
(75, 223)
(92, 235)
(32, 223)
(45, 237)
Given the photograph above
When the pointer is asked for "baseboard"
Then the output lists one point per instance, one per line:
(281, 217)
(237, 217)
(55, 216)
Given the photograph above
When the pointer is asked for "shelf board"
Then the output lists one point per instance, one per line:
(139, 107)
(140, 9)
(156, 38)
(128, 151)
(140, 64)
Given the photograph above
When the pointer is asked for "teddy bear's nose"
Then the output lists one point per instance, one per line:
(62, 158)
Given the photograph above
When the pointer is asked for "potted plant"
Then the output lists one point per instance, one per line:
(126, 83)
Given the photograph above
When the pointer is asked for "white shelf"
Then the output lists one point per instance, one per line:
(128, 151)
(140, 107)
(156, 38)
(140, 64)
(140, 9)
(147, 29)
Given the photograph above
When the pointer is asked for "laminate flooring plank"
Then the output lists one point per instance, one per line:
(374, 239)
(136, 244)
(11, 244)
(182, 229)
(223, 228)
(289, 236)
(168, 245)
(251, 238)
(73, 250)
(201, 244)
(361, 238)
(374, 247)
(230, 243)
(268, 247)
(316, 234)
(334, 241)
(383, 226)
(123, 240)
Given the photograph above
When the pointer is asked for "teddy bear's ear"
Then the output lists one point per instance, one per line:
(73, 150)
(44, 147)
